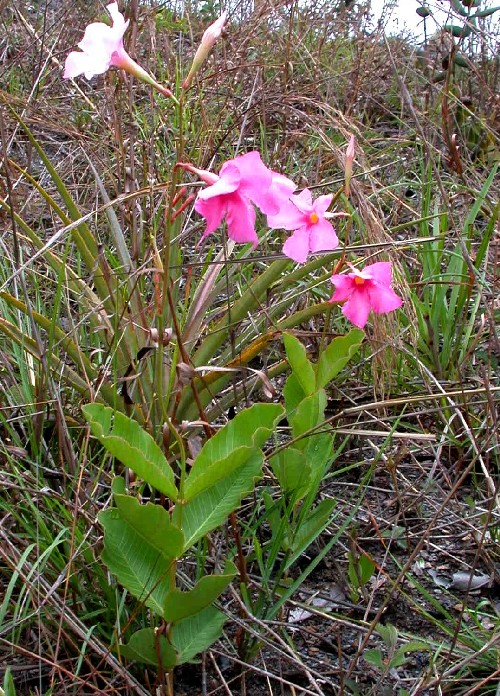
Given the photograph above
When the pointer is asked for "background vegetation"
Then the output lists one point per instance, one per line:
(397, 592)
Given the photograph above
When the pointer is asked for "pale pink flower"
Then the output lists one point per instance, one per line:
(102, 48)
(210, 36)
(362, 291)
(243, 182)
(313, 232)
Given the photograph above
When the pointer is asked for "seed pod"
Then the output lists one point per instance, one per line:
(457, 31)
(488, 12)
(458, 8)
(185, 373)
(461, 60)
(439, 76)
(423, 11)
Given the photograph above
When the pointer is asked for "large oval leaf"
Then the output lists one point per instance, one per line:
(194, 635)
(206, 473)
(336, 355)
(145, 645)
(301, 366)
(211, 507)
(140, 564)
(179, 605)
(249, 428)
(126, 440)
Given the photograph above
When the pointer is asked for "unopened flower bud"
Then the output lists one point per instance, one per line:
(212, 33)
(349, 159)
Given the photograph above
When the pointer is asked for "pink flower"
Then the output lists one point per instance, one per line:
(102, 48)
(312, 233)
(212, 33)
(243, 182)
(365, 290)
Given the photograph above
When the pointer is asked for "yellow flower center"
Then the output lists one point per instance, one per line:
(313, 218)
(358, 280)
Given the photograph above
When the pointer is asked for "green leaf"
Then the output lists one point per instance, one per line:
(301, 367)
(225, 470)
(197, 633)
(360, 570)
(461, 60)
(272, 512)
(398, 659)
(318, 453)
(249, 428)
(366, 568)
(389, 634)
(416, 646)
(308, 414)
(311, 528)
(458, 8)
(352, 573)
(151, 522)
(126, 440)
(138, 564)
(8, 683)
(374, 657)
(211, 507)
(206, 474)
(292, 393)
(144, 645)
(292, 471)
(180, 605)
(336, 355)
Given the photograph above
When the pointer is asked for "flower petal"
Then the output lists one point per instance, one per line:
(102, 46)
(78, 63)
(119, 23)
(279, 193)
(100, 38)
(256, 180)
(213, 31)
(240, 218)
(296, 246)
(321, 204)
(206, 176)
(383, 299)
(282, 186)
(322, 236)
(303, 201)
(228, 182)
(213, 211)
(357, 307)
(289, 217)
(380, 272)
(344, 287)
